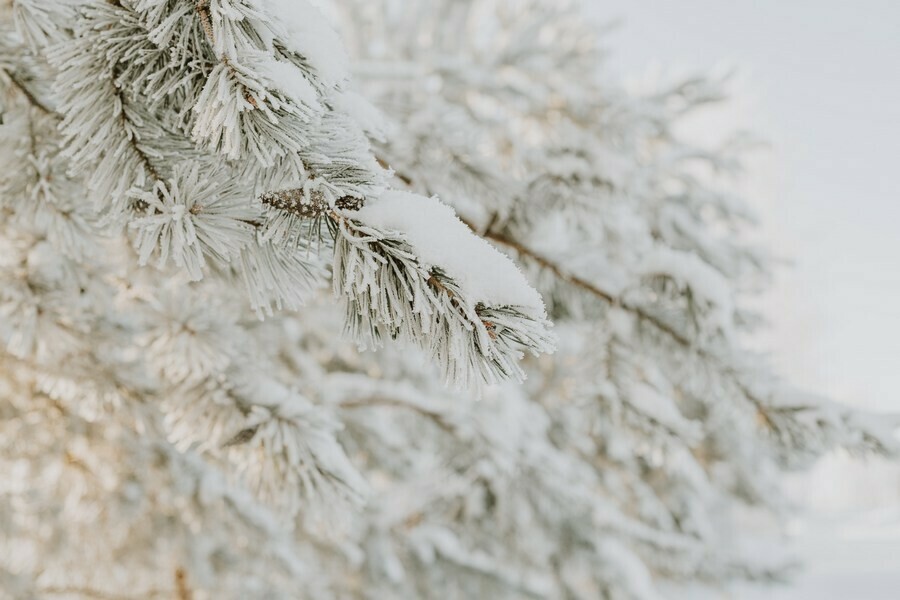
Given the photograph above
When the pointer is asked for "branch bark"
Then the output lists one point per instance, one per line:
(19, 85)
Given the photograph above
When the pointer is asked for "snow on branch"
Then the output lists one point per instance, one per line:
(804, 425)
(439, 237)
(408, 267)
(105, 136)
(276, 64)
(706, 287)
(281, 444)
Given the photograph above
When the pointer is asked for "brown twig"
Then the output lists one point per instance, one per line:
(640, 312)
(86, 592)
(405, 179)
(132, 141)
(591, 288)
(205, 22)
(182, 589)
(439, 419)
(19, 85)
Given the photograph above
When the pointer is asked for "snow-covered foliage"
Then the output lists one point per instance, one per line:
(180, 414)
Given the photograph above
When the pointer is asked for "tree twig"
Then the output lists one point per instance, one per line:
(183, 590)
(19, 85)
(87, 592)
(583, 284)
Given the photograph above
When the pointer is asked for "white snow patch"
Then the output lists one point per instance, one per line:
(363, 112)
(441, 240)
(289, 80)
(306, 31)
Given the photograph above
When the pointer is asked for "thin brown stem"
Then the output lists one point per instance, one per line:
(640, 312)
(183, 590)
(439, 419)
(405, 179)
(19, 85)
(86, 592)
(594, 290)
(141, 155)
(547, 264)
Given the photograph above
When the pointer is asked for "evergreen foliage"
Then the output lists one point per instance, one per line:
(180, 415)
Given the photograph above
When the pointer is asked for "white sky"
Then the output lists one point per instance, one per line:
(820, 80)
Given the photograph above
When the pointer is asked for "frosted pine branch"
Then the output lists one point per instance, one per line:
(393, 291)
(178, 410)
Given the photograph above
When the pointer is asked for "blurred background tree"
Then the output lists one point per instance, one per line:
(181, 416)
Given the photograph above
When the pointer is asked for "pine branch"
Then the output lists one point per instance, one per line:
(202, 8)
(19, 85)
(638, 311)
(405, 179)
(140, 154)
(545, 263)
(435, 416)
(391, 293)
(596, 291)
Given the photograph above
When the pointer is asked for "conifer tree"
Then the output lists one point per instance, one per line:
(270, 330)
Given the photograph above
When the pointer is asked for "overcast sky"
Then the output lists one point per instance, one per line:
(820, 80)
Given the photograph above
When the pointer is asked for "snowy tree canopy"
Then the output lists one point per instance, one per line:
(277, 281)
